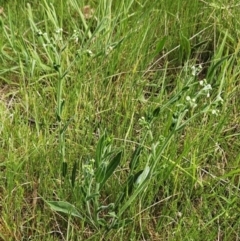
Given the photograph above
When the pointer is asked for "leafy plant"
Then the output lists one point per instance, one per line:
(161, 77)
(96, 172)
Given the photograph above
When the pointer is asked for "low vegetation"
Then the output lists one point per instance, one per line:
(119, 120)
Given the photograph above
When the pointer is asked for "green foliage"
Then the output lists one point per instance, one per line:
(64, 207)
(119, 120)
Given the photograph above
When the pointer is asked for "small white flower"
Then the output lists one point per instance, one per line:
(194, 70)
(215, 112)
(89, 52)
(39, 32)
(219, 99)
(207, 87)
(194, 105)
(92, 161)
(203, 82)
(59, 30)
(192, 101)
(179, 214)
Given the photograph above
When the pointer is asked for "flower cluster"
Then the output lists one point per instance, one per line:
(196, 70)
(205, 91)
(191, 101)
(206, 88)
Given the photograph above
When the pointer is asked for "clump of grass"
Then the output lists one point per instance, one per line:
(121, 124)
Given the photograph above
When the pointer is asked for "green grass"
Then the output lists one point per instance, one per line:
(106, 133)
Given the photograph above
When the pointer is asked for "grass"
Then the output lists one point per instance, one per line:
(119, 121)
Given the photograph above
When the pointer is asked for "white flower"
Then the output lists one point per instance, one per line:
(215, 112)
(192, 101)
(39, 32)
(59, 30)
(207, 87)
(89, 52)
(194, 71)
(219, 99)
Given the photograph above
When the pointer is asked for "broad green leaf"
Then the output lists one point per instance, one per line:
(101, 172)
(111, 167)
(131, 182)
(135, 158)
(64, 207)
(141, 178)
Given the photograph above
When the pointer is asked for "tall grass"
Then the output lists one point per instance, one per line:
(119, 120)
